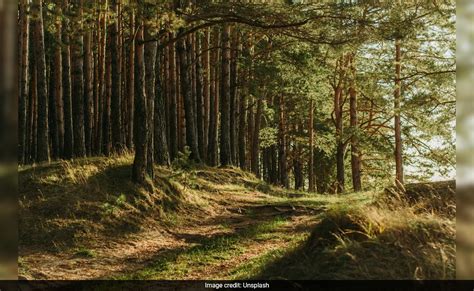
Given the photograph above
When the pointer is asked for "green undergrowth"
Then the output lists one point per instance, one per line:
(391, 234)
(208, 253)
(71, 203)
(367, 240)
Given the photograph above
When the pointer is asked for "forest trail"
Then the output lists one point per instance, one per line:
(245, 226)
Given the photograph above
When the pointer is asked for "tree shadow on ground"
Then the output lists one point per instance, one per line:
(240, 228)
(357, 257)
(61, 209)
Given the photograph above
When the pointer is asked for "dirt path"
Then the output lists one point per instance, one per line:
(243, 228)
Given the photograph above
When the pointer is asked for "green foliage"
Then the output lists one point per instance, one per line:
(183, 161)
(85, 252)
(268, 137)
(109, 208)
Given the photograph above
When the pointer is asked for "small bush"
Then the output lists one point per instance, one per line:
(86, 253)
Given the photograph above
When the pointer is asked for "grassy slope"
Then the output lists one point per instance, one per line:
(211, 223)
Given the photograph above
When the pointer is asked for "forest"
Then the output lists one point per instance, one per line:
(178, 112)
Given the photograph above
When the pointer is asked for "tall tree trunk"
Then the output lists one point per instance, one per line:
(247, 112)
(78, 83)
(23, 90)
(200, 98)
(252, 158)
(95, 85)
(58, 89)
(355, 155)
(214, 103)
(191, 56)
(180, 106)
(255, 150)
(116, 118)
(131, 81)
(67, 89)
(339, 142)
(399, 181)
(206, 90)
(338, 112)
(106, 136)
(311, 185)
(274, 177)
(52, 125)
(40, 59)
(32, 111)
(282, 153)
(297, 163)
(123, 77)
(102, 87)
(173, 115)
(191, 134)
(234, 95)
(164, 79)
(160, 143)
(225, 146)
(88, 92)
(242, 132)
(150, 57)
(140, 124)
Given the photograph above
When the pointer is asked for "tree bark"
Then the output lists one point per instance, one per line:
(150, 57)
(200, 99)
(140, 124)
(131, 81)
(106, 136)
(282, 153)
(78, 83)
(180, 106)
(213, 103)
(339, 142)
(186, 90)
(338, 113)
(67, 90)
(88, 93)
(252, 158)
(206, 90)
(399, 179)
(355, 155)
(58, 89)
(33, 111)
(23, 90)
(234, 95)
(40, 59)
(52, 125)
(255, 151)
(297, 163)
(173, 115)
(160, 143)
(116, 118)
(242, 132)
(311, 186)
(225, 146)
(101, 70)
(95, 85)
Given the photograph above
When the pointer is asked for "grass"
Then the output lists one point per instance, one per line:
(85, 252)
(76, 206)
(209, 252)
(69, 203)
(365, 241)
(254, 266)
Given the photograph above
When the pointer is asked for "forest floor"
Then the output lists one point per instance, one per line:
(84, 220)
